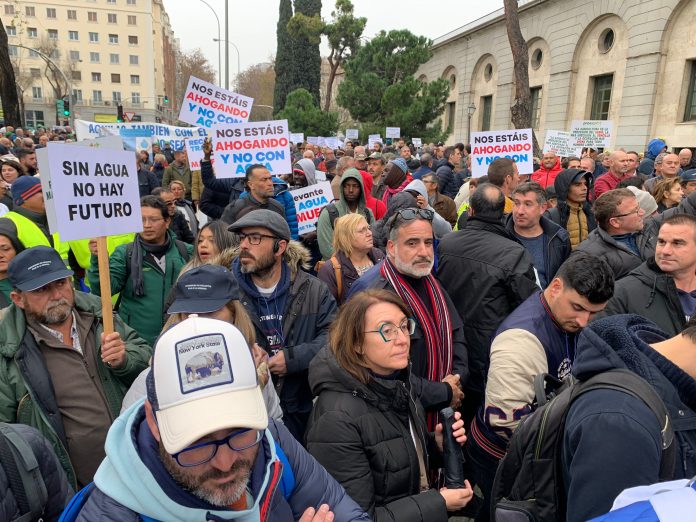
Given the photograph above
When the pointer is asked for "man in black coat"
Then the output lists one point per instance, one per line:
(487, 273)
(447, 180)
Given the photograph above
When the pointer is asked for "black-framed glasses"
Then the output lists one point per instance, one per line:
(254, 239)
(634, 211)
(206, 451)
(389, 331)
(409, 214)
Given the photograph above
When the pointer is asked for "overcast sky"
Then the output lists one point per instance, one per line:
(253, 23)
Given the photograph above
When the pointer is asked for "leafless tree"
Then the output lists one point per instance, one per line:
(8, 90)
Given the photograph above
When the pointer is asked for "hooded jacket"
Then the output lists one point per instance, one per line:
(647, 164)
(361, 434)
(560, 214)
(132, 481)
(447, 181)
(651, 293)
(325, 226)
(309, 169)
(377, 207)
(612, 441)
(546, 177)
(620, 258)
(441, 227)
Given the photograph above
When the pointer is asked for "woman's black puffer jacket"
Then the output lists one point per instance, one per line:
(360, 434)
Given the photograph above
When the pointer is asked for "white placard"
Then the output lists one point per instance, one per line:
(194, 152)
(94, 191)
(393, 132)
(205, 105)
(592, 133)
(515, 144)
(46, 186)
(308, 204)
(352, 134)
(372, 139)
(238, 146)
(297, 137)
(561, 143)
(313, 140)
(417, 142)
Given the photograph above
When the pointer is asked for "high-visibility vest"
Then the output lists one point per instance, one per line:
(80, 247)
(30, 235)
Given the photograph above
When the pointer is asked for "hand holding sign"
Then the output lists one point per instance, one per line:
(207, 148)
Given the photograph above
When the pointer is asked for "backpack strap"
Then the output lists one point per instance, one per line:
(183, 251)
(23, 474)
(339, 278)
(333, 213)
(287, 480)
(72, 510)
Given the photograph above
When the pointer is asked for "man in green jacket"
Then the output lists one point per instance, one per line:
(179, 170)
(145, 270)
(59, 371)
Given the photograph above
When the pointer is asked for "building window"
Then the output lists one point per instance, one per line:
(52, 34)
(77, 95)
(130, 2)
(111, 18)
(14, 50)
(110, 1)
(115, 78)
(131, 20)
(91, 16)
(36, 93)
(32, 32)
(690, 109)
(9, 9)
(135, 79)
(113, 38)
(72, 14)
(135, 97)
(50, 12)
(601, 97)
(76, 75)
(116, 97)
(132, 40)
(30, 10)
(97, 96)
(75, 56)
(536, 59)
(35, 73)
(34, 119)
(450, 112)
(133, 59)
(606, 41)
(11, 30)
(536, 106)
(73, 35)
(94, 57)
(113, 59)
(487, 105)
(33, 54)
(94, 37)
(96, 77)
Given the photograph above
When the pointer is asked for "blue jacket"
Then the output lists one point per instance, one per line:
(447, 180)
(612, 441)
(132, 480)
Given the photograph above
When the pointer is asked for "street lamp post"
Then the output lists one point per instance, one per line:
(218, 41)
(470, 112)
(71, 118)
(227, 46)
(239, 65)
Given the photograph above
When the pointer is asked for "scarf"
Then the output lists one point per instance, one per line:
(136, 261)
(433, 318)
(389, 192)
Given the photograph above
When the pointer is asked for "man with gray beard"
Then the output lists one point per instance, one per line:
(438, 350)
(59, 371)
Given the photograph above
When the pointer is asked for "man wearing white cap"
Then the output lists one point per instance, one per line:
(201, 446)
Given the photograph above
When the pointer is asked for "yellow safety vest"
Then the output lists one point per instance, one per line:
(80, 247)
(30, 235)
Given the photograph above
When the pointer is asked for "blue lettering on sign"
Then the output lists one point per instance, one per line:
(315, 202)
(271, 155)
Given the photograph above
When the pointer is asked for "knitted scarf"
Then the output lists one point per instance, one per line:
(433, 318)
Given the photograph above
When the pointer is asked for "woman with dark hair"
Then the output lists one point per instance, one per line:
(10, 246)
(367, 429)
(668, 193)
(212, 239)
(10, 170)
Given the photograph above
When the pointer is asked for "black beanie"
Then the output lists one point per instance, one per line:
(9, 230)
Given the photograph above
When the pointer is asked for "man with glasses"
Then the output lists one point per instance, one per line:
(438, 350)
(145, 271)
(177, 222)
(619, 238)
(201, 446)
(291, 310)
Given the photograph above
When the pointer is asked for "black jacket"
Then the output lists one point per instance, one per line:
(620, 258)
(612, 441)
(147, 182)
(652, 225)
(232, 187)
(487, 274)
(181, 229)
(561, 212)
(236, 208)
(557, 248)
(447, 181)
(213, 203)
(649, 292)
(360, 434)
(57, 487)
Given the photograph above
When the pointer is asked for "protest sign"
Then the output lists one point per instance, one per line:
(194, 151)
(296, 137)
(561, 143)
(238, 146)
(393, 132)
(592, 133)
(108, 142)
(309, 201)
(331, 142)
(417, 142)
(313, 140)
(372, 139)
(205, 105)
(488, 146)
(352, 134)
(160, 133)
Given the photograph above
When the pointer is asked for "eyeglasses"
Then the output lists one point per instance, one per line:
(409, 214)
(206, 451)
(254, 239)
(152, 221)
(389, 331)
(634, 211)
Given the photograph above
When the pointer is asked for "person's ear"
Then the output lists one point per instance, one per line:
(390, 248)
(17, 299)
(151, 420)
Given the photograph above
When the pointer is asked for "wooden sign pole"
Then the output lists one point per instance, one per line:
(105, 285)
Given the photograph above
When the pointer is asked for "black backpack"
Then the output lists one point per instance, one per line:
(23, 474)
(333, 213)
(528, 484)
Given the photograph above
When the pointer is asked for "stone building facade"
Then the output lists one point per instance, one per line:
(629, 61)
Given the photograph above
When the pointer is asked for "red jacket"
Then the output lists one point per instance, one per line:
(546, 177)
(377, 207)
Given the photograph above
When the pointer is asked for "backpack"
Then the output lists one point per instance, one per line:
(333, 213)
(23, 474)
(72, 510)
(528, 485)
(337, 270)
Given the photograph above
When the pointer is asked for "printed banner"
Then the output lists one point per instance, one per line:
(393, 132)
(561, 143)
(205, 105)
(297, 137)
(352, 134)
(309, 202)
(592, 133)
(194, 151)
(159, 133)
(488, 146)
(236, 147)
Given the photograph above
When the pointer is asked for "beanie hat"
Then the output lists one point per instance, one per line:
(645, 201)
(24, 188)
(9, 230)
(401, 163)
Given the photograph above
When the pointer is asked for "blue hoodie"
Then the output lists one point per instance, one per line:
(647, 165)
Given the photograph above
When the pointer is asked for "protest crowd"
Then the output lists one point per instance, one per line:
(388, 331)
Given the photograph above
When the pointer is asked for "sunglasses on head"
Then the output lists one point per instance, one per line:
(409, 214)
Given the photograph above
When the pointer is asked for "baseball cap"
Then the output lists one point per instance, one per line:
(36, 267)
(203, 379)
(688, 175)
(266, 219)
(204, 289)
(376, 156)
(25, 187)
(360, 156)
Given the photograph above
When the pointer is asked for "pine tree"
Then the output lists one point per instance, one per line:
(284, 62)
(306, 55)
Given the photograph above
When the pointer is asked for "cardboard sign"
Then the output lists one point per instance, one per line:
(313, 140)
(159, 133)
(372, 139)
(194, 151)
(592, 133)
(561, 143)
(352, 134)
(238, 146)
(205, 105)
(515, 144)
(393, 132)
(94, 191)
(297, 137)
(417, 142)
(309, 202)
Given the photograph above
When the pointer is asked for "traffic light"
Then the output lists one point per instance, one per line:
(166, 99)
(66, 107)
(119, 114)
